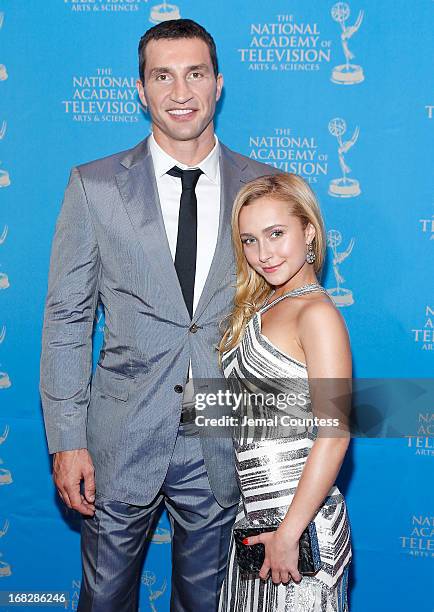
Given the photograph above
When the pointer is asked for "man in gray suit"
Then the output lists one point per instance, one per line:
(147, 232)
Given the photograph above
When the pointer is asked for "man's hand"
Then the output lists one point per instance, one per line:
(69, 468)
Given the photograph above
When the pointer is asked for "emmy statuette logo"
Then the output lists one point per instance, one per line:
(4, 234)
(4, 280)
(149, 579)
(5, 381)
(5, 568)
(164, 12)
(343, 187)
(161, 535)
(99, 318)
(5, 179)
(340, 295)
(346, 74)
(3, 71)
(5, 474)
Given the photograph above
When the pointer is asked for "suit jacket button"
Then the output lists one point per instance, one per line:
(178, 388)
(194, 328)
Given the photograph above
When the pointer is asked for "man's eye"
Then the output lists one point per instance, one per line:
(161, 77)
(196, 75)
(276, 233)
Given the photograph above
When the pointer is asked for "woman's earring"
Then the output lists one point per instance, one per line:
(310, 255)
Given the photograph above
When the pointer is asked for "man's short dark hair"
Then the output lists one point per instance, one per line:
(172, 30)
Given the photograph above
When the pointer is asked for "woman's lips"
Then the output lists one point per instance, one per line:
(272, 268)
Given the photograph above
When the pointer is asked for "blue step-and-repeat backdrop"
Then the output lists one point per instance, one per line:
(341, 93)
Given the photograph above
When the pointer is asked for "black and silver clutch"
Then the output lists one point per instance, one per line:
(251, 558)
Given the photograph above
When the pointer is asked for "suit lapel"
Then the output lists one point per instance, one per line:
(138, 188)
(231, 175)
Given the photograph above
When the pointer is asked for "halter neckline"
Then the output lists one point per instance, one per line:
(309, 288)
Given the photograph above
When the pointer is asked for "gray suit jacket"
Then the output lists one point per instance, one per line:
(110, 243)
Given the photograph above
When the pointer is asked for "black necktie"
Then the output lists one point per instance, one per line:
(186, 242)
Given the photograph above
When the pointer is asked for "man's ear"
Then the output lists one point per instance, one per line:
(141, 92)
(219, 80)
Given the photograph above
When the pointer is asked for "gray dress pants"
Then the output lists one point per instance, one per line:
(113, 541)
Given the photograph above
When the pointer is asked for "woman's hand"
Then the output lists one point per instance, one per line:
(281, 555)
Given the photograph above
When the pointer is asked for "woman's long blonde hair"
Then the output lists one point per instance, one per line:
(252, 288)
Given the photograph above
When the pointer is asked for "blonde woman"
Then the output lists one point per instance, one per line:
(285, 330)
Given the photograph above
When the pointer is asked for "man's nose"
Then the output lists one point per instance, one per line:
(181, 92)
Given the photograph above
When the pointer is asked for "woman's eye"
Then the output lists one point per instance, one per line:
(247, 240)
(276, 233)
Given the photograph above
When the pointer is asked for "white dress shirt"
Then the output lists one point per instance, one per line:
(208, 209)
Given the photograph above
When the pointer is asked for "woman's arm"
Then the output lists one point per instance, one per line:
(324, 339)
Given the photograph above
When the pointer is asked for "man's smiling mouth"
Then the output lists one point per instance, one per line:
(181, 111)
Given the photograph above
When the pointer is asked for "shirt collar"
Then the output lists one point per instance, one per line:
(164, 162)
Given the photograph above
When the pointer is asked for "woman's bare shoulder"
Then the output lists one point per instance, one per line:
(325, 340)
(320, 310)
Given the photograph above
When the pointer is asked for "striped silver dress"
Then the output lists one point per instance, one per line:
(268, 471)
